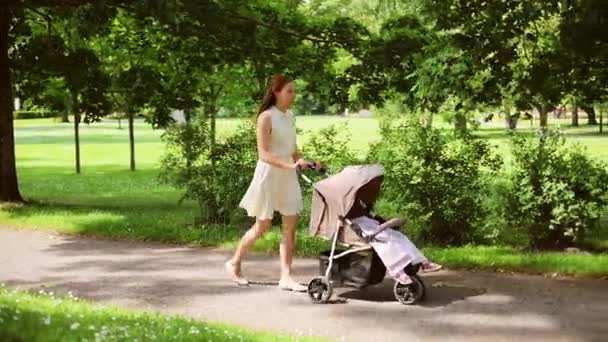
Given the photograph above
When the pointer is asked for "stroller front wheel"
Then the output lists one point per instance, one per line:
(320, 290)
(411, 293)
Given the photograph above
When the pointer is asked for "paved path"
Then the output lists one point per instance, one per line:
(461, 306)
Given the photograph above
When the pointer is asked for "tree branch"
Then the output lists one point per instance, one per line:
(52, 3)
(49, 21)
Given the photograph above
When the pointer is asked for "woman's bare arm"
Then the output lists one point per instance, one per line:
(264, 125)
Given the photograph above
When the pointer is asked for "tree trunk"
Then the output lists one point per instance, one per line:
(9, 187)
(460, 123)
(76, 130)
(429, 120)
(544, 116)
(601, 121)
(575, 115)
(65, 116)
(511, 120)
(591, 119)
(131, 139)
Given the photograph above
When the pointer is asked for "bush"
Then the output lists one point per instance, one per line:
(436, 180)
(330, 146)
(555, 193)
(25, 114)
(214, 177)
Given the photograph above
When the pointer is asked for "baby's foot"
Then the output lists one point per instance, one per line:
(428, 267)
(235, 272)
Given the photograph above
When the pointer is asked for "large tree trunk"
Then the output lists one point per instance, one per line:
(131, 139)
(591, 119)
(575, 115)
(511, 120)
(544, 116)
(9, 187)
(460, 123)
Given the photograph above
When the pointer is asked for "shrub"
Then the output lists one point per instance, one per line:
(25, 114)
(436, 180)
(330, 145)
(215, 176)
(555, 193)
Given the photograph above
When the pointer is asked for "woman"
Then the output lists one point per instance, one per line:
(275, 185)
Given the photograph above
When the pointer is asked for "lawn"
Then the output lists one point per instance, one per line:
(109, 200)
(46, 318)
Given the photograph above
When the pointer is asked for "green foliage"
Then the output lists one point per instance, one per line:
(46, 317)
(436, 180)
(556, 192)
(215, 175)
(35, 114)
(331, 146)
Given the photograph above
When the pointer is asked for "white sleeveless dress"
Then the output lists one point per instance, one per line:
(273, 188)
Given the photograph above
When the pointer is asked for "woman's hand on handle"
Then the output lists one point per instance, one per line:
(300, 164)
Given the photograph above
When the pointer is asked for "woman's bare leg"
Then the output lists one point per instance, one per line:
(287, 249)
(259, 228)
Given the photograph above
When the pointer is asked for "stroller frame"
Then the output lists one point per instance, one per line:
(320, 288)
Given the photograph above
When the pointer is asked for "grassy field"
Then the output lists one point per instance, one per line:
(46, 318)
(109, 200)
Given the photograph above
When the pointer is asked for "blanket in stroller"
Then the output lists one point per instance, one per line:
(394, 248)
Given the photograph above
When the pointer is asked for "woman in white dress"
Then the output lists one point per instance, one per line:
(275, 185)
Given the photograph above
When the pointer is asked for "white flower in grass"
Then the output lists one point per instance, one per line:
(194, 331)
(47, 320)
(91, 327)
(74, 326)
(15, 318)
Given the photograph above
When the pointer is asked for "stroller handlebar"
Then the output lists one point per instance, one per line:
(322, 171)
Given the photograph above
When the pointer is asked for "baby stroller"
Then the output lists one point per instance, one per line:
(352, 260)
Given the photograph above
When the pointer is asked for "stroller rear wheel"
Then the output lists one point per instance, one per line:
(411, 293)
(320, 290)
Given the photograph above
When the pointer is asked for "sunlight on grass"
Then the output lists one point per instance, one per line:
(510, 259)
(46, 318)
(109, 200)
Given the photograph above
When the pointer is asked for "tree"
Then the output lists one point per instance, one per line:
(9, 189)
(585, 43)
(515, 41)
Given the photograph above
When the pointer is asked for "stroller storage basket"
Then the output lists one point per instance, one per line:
(358, 269)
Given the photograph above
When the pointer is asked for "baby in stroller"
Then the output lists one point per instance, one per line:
(341, 211)
(392, 246)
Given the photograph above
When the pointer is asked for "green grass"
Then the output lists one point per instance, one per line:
(511, 259)
(108, 200)
(42, 317)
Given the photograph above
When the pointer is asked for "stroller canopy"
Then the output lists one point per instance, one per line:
(335, 196)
